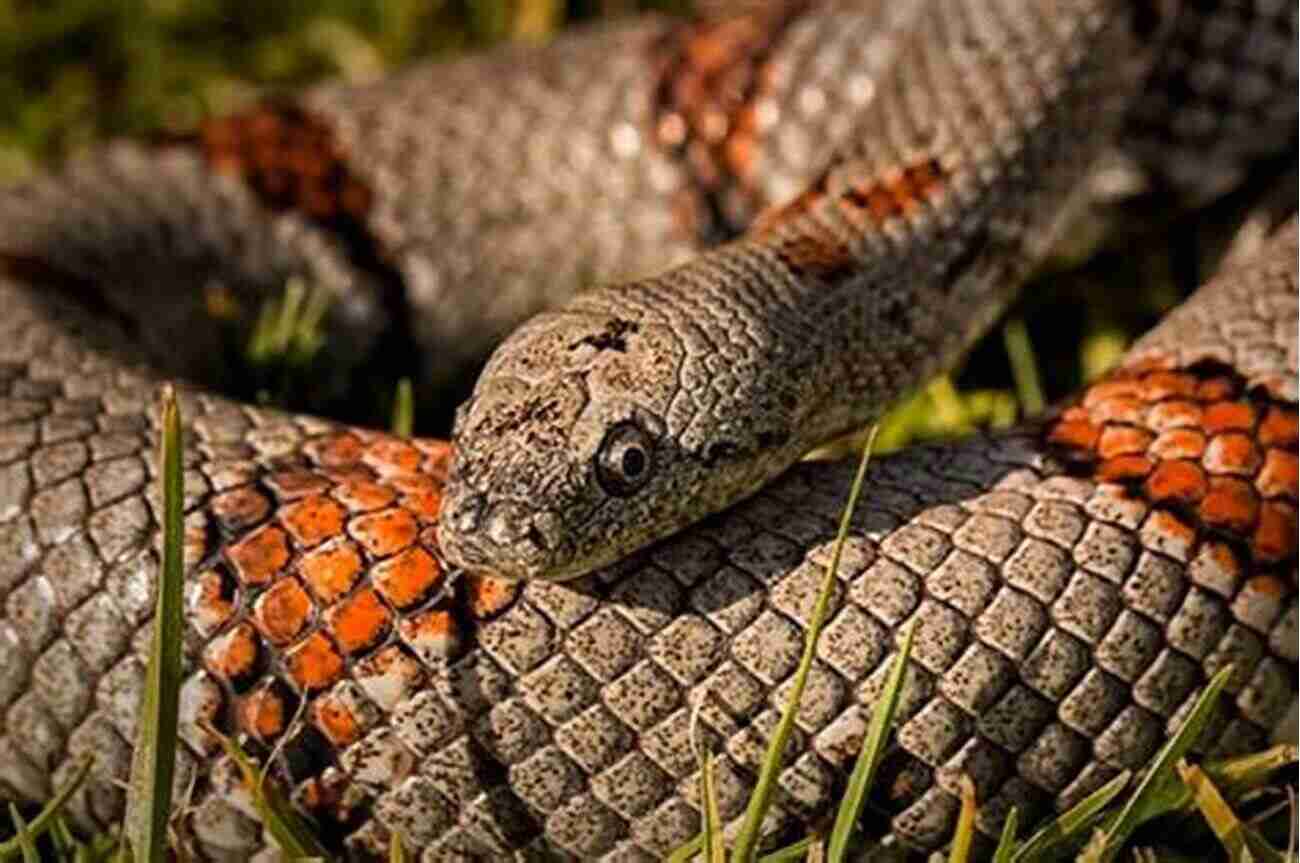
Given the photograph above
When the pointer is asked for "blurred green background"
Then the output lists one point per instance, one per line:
(75, 71)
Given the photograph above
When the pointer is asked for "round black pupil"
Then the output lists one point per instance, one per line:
(633, 462)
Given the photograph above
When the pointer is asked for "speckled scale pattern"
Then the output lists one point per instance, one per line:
(1199, 125)
(1061, 633)
(900, 255)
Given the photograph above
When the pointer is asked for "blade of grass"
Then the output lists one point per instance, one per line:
(948, 405)
(295, 836)
(26, 841)
(686, 851)
(1069, 826)
(154, 764)
(761, 800)
(792, 852)
(403, 409)
(714, 850)
(1024, 366)
(1159, 791)
(45, 819)
(965, 832)
(1007, 841)
(1240, 840)
(396, 851)
(872, 752)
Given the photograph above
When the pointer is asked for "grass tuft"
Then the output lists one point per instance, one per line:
(761, 800)
(48, 817)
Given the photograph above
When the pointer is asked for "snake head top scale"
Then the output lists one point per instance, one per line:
(591, 433)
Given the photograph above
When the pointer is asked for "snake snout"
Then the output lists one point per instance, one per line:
(465, 512)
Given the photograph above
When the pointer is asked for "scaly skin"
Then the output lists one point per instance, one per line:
(1076, 580)
(641, 408)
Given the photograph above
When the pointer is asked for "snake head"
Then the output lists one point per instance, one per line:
(562, 458)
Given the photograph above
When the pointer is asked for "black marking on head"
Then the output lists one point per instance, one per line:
(612, 338)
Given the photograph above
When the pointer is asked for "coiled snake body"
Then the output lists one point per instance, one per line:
(1076, 580)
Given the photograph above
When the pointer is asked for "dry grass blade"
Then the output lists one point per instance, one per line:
(761, 800)
(714, 850)
(1240, 840)
(1024, 367)
(47, 817)
(396, 851)
(964, 835)
(153, 766)
(873, 751)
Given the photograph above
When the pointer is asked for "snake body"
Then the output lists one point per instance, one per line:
(1076, 580)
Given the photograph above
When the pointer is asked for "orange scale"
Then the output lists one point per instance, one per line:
(1113, 388)
(1176, 482)
(233, 655)
(1228, 416)
(1277, 478)
(1123, 409)
(1178, 443)
(1125, 468)
(424, 505)
(333, 718)
(385, 532)
(1162, 385)
(1120, 440)
(392, 456)
(361, 496)
(282, 611)
(1078, 435)
(408, 578)
(239, 509)
(340, 450)
(1216, 389)
(358, 623)
(1174, 414)
(313, 663)
(1279, 428)
(1233, 453)
(486, 597)
(313, 520)
(332, 569)
(293, 484)
(414, 483)
(1274, 539)
(264, 713)
(260, 556)
(1231, 504)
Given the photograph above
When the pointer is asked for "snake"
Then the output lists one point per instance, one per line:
(514, 645)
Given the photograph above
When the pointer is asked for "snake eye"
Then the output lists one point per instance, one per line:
(624, 459)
